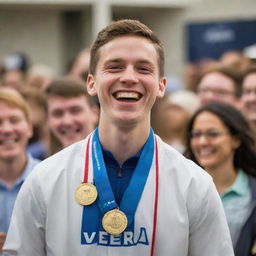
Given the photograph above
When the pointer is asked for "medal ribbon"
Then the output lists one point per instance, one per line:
(135, 188)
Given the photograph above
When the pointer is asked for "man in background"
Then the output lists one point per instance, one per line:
(219, 84)
(248, 98)
(15, 162)
(72, 113)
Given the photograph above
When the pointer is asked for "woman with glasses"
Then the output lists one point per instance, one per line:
(220, 140)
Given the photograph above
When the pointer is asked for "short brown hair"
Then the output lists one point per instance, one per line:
(68, 87)
(250, 70)
(121, 28)
(14, 99)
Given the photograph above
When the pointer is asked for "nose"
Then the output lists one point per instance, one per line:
(202, 140)
(129, 76)
(67, 119)
(6, 127)
(252, 96)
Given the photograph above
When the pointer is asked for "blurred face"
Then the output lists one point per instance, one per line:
(217, 87)
(211, 142)
(176, 117)
(126, 80)
(13, 79)
(70, 119)
(14, 132)
(248, 98)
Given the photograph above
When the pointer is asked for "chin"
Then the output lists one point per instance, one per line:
(205, 164)
(9, 156)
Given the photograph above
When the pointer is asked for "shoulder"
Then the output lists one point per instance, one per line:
(191, 184)
(54, 167)
(179, 167)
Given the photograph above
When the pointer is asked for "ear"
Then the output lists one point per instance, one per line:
(91, 85)
(161, 87)
(30, 130)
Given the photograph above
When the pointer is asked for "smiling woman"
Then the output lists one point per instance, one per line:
(220, 140)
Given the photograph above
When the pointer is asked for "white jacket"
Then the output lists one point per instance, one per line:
(190, 218)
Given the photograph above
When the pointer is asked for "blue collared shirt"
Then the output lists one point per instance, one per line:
(119, 176)
(236, 202)
(8, 195)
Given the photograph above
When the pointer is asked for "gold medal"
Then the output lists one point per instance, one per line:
(86, 194)
(114, 222)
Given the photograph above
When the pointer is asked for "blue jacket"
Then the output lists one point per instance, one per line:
(246, 244)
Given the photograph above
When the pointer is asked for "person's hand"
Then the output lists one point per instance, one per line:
(2, 239)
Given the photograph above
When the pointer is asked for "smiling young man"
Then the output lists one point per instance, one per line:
(15, 163)
(71, 112)
(121, 191)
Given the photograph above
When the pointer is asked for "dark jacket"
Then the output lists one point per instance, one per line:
(246, 244)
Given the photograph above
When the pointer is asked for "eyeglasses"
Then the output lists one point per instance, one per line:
(217, 92)
(249, 91)
(209, 135)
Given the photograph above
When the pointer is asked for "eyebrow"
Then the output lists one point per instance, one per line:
(118, 60)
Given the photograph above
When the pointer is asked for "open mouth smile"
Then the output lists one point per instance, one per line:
(70, 132)
(127, 96)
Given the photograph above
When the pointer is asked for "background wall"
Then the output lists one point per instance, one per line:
(53, 34)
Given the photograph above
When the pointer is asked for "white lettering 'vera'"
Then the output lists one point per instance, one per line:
(127, 238)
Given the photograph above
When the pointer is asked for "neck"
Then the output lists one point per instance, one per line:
(10, 170)
(123, 142)
(223, 177)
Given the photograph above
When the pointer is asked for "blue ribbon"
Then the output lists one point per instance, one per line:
(106, 200)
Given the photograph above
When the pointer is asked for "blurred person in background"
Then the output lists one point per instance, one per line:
(15, 162)
(220, 140)
(250, 53)
(71, 112)
(193, 72)
(235, 60)
(15, 67)
(80, 65)
(170, 116)
(248, 98)
(39, 76)
(220, 84)
(38, 145)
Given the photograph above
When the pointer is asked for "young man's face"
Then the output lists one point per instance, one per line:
(70, 119)
(248, 98)
(14, 132)
(126, 79)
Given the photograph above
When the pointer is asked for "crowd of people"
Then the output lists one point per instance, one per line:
(211, 121)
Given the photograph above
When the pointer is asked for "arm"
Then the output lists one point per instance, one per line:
(26, 235)
(209, 234)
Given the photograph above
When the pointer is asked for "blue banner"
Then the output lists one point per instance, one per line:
(209, 40)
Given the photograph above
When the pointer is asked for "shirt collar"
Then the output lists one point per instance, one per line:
(110, 159)
(240, 185)
(28, 168)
